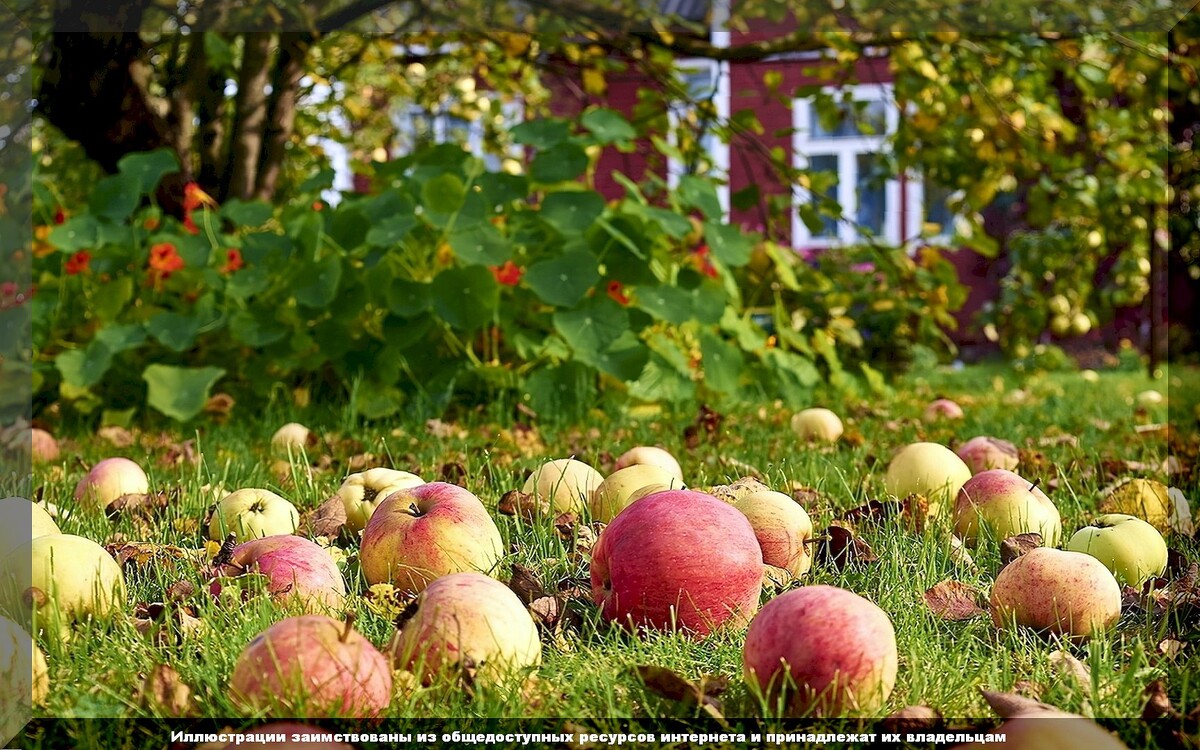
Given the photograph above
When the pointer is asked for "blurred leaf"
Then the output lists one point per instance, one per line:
(180, 392)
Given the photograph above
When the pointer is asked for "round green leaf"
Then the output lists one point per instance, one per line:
(722, 363)
(173, 330)
(180, 392)
(319, 283)
(443, 194)
(466, 298)
(542, 133)
(608, 126)
(564, 280)
(591, 328)
(572, 212)
(560, 163)
(480, 245)
(148, 167)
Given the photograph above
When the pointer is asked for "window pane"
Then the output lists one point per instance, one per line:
(850, 120)
(936, 210)
(826, 163)
(872, 200)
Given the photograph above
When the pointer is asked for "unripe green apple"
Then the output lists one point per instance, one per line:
(1080, 324)
(927, 469)
(1128, 546)
(252, 514)
(1058, 305)
(362, 493)
(615, 492)
(20, 521)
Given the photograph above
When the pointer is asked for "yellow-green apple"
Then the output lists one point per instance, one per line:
(1148, 399)
(420, 533)
(1128, 546)
(1080, 323)
(251, 514)
(678, 559)
(927, 469)
(20, 521)
(942, 408)
(1090, 376)
(296, 568)
(983, 453)
(467, 619)
(615, 492)
(361, 493)
(782, 527)
(999, 503)
(817, 424)
(72, 580)
(108, 480)
(650, 455)
(563, 485)
(257, 737)
(292, 437)
(24, 678)
(312, 665)
(821, 650)
(649, 489)
(1144, 498)
(43, 447)
(1056, 592)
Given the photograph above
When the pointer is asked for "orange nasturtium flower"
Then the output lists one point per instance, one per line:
(77, 263)
(508, 274)
(616, 292)
(194, 197)
(164, 260)
(233, 260)
(703, 264)
(189, 224)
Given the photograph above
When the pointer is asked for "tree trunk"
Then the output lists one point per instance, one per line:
(281, 117)
(250, 114)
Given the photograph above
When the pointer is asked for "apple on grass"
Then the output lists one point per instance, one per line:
(927, 469)
(563, 485)
(420, 533)
(1001, 504)
(252, 514)
(108, 480)
(362, 493)
(1128, 546)
(296, 569)
(616, 491)
(24, 678)
(817, 424)
(821, 650)
(983, 453)
(1058, 593)
(43, 447)
(293, 438)
(20, 521)
(678, 559)
(648, 455)
(782, 527)
(467, 621)
(312, 665)
(942, 408)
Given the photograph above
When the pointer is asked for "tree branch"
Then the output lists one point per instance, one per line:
(250, 116)
(281, 117)
(349, 14)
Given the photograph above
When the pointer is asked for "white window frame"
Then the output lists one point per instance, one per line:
(719, 70)
(847, 149)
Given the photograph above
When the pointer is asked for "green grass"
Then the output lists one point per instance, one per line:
(588, 671)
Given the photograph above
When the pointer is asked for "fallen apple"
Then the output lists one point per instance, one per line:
(1149, 399)
(361, 493)
(983, 453)
(420, 533)
(1001, 504)
(252, 514)
(1090, 376)
(817, 424)
(1056, 592)
(942, 408)
(648, 455)
(72, 581)
(821, 650)
(1128, 546)
(1144, 498)
(678, 559)
(43, 447)
(20, 521)
(24, 677)
(927, 469)
(563, 485)
(467, 621)
(312, 665)
(293, 437)
(296, 569)
(108, 480)
(783, 529)
(616, 491)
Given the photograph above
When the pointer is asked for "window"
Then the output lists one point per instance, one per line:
(418, 127)
(847, 142)
(703, 81)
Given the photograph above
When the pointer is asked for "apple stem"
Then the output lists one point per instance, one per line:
(1033, 486)
(414, 510)
(345, 636)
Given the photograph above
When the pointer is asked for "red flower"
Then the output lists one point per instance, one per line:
(60, 215)
(164, 261)
(703, 264)
(233, 260)
(508, 274)
(194, 197)
(615, 290)
(77, 263)
(190, 225)
(318, 206)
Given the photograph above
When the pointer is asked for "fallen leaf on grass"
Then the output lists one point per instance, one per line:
(1015, 546)
(119, 437)
(1007, 705)
(387, 601)
(838, 547)
(776, 578)
(524, 504)
(148, 554)
(873, 510)
(703, 692)
(325, 520)
(960, 555)
(564, 525)
(1052, 440)
(730, 493)
(165, 693)
(806, 496)
(167, 622)
(526, 584)
(954, 601)
(142, 505)
(1181, 513)
(453, 473)
(1158, 705)
(546, 611)
(1071, 669)
(1170, 648)
(913, 719)
(219, 405)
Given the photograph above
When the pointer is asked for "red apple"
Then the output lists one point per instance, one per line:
(1056, 592)
(420, 533)
(942, 408)
(1004, 504)
(821, 650)
(110, 479)
(296, 569)
(43, 446)
(983, 453)
(678, 559)
(312, 665)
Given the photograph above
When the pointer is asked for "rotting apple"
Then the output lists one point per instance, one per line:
(821, 650)
(982, 453)
(1145, 498)
(782, 527)
(563, 485)
(817, 424)
(251, 514)
(467, 621)
(927, 469)
(942, 408)
(614, 494)
(678, 560)
(296, 568)
(1001, 504)
(420, 533)
(312, 665)
(362, 493)
(1056, 592)
(649, 455)
(1128, 546)
(108, 480)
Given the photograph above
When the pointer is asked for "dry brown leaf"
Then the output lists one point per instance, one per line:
(565, 525)
(960, 555)
(180, 453)
(1052, 440)
(546, 611)
(1071, 669)
(806, 496)
(219, 405)
(1170, 648)
(165, 693)
(954, 601)
(1010, 704)
(776, 578)
(526, 584)
(838, 547)
(453, 473)
(703, 692)
(141, 505)
(1015, 546)
(119, 437)
(873, 510)
(1151, 431)
(524, 504)
(1158, 705)
(151, 555)
(325, 520)
(913, 719)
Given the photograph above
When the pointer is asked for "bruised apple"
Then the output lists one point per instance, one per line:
(296, 568)
(108, 480)
(362, 493)
(678, 559)
(1060, 593)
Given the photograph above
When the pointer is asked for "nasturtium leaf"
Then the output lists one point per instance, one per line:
(480, 245)
(560, 163)
(255, 330)
(722, 363)
(348, 228)
(443, 194)
(564, 280)
(374, 400)
(246, 213)
(728, 243)
(700, 193)
(391, 231)
(148, 167)
(666, 302)
(119, 338)
(661, 382)
(408, 298)
(624, 359)
(179, 392)
(318, 283)
(175, 331)
(247, 282)
(115, 197)
(572, 212)
(608, 126)
(672, 223)
(501, 188)
(592, 326)
(76, 233)
(542, 133)
(466, 298)
(561, 392)
(83, 368)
